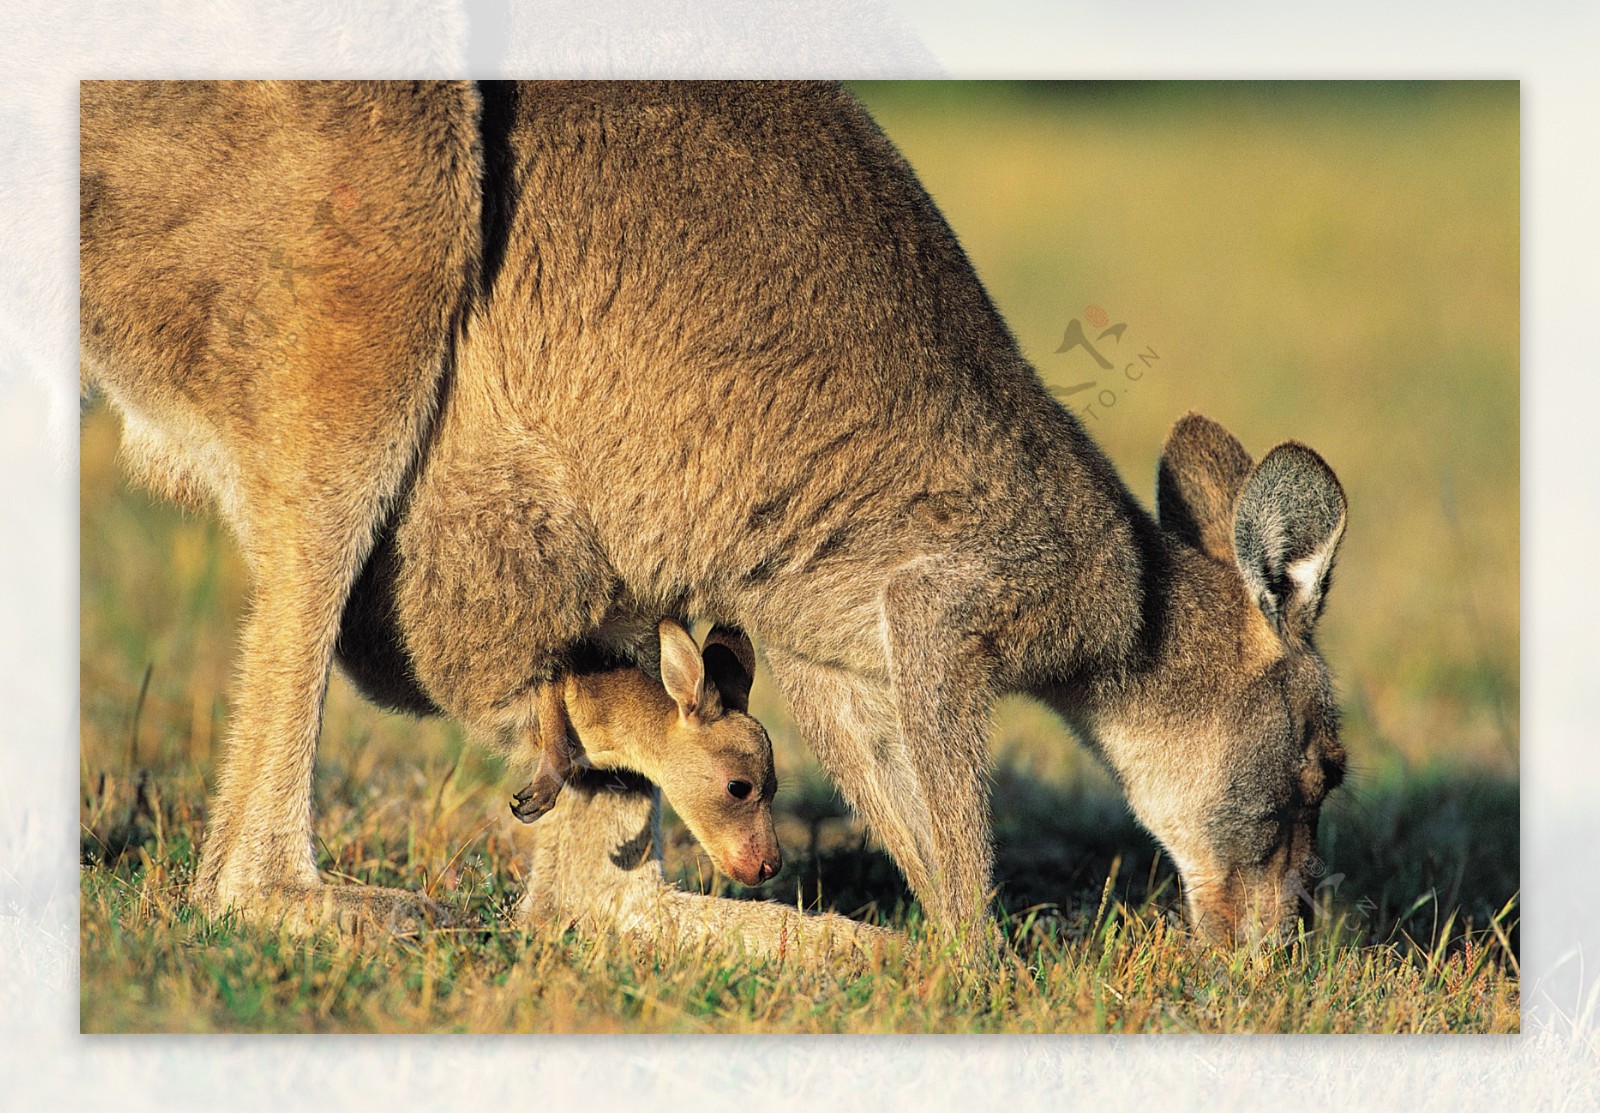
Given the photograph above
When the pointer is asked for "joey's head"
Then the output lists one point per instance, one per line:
(718, 770)
(1229, 743)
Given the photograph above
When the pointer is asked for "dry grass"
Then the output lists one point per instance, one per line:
(1334, 265)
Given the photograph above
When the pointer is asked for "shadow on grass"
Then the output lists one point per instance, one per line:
(1402, 853)
(1414, 854)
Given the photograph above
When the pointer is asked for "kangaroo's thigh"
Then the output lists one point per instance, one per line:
(270, 275)
(270, 272)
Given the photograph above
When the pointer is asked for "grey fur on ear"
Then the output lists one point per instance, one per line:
(1202, 469)
(1288, 522)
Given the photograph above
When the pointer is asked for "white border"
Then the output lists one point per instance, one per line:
(1549, 46)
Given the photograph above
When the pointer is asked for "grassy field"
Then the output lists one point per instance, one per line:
(1333, 264)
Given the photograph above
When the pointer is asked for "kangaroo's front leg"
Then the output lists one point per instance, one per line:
(940, 676)
(850, 724)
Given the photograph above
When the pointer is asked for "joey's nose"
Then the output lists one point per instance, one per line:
(769, 868)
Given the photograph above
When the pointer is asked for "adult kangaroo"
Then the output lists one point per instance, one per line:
(603, 353)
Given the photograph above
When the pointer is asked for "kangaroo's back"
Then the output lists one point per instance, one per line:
(753, 352)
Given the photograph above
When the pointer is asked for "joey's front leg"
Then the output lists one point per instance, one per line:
(557, 756)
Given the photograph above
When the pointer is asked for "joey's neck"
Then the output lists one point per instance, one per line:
(621, 717)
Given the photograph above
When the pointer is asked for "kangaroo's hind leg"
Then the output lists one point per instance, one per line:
(276, 341)
(596, 864)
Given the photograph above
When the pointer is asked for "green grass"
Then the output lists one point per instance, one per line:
(1112, 958)
(1333, 264)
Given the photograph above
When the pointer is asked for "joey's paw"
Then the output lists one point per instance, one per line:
(535, 800)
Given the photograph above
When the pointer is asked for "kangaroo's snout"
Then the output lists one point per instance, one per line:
(1247, 910)
(1256, 900)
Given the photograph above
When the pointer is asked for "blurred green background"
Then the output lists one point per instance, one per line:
(1334, 263)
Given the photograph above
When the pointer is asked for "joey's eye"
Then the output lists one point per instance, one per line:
(740, 789)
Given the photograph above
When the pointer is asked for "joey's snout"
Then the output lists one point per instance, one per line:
(758, 860)
(765, 869)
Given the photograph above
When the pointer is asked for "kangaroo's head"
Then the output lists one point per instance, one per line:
(1230, 740)
(718, 772)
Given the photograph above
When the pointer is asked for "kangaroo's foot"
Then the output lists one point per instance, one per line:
(350, 909)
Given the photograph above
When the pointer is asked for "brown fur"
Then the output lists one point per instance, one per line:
(253, 300)
(723, 359)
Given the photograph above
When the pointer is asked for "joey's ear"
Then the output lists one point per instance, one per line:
(1287, 525)
(731, 665)
(683, 673)
(1202, 469)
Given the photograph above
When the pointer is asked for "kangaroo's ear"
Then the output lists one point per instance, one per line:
(1202, 470)
(1289, 519)
(683, 673)
(731, 665)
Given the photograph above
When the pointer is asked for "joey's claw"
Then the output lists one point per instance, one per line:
(534, 801)
(531, 811)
